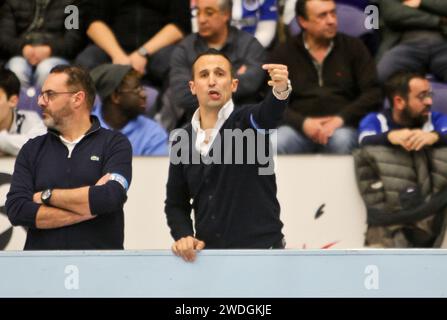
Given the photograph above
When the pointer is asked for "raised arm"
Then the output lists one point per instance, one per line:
(269, 112)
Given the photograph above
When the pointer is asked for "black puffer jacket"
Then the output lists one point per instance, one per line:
(17, 15)
(405, 194)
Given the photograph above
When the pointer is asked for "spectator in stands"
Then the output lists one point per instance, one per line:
(289, 8)
(16, 127)
(123, 101)
(69, 186)
(401, 177)
(235, 206)
(245, 52)
(257, 17)
(136, 32)
(334, 81)
(409, 123)
(33, 33)
(413, 37)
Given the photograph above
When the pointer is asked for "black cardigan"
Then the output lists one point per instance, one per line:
(235, 206)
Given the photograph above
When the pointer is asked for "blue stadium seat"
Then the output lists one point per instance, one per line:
(440, 96)
(28, 100)
(361, 4)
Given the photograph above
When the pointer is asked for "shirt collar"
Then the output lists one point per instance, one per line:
(222, 116)
(74, 142)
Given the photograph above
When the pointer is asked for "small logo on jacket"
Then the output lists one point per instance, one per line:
(94, 158)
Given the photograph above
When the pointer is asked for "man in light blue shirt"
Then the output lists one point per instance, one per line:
(122, 109)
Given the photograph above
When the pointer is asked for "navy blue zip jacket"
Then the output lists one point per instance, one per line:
(44, 162)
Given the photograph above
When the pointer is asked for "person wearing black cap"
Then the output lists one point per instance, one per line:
(69, 186)
(123, 100)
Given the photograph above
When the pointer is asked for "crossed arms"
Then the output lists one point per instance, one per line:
(68, 206)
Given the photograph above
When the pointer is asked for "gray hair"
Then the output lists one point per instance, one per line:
(225, 5)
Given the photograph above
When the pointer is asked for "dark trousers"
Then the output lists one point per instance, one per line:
(418, 57)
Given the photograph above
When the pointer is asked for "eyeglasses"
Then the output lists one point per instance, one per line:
(208, 12)
(424, 95)
(136, 90)
(49, 94)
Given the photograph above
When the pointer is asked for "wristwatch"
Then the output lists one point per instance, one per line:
(142, 51)
(45, 196)
(289, 88)
(283, 94)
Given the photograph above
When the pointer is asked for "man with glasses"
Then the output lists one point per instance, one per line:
(400, 167)
(409, 122)
(123, 105)
(69, 186)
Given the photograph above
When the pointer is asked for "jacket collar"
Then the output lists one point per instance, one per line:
(93, 128)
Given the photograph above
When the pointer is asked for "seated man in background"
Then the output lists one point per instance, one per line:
(334, 84)
(401, 167)
(16, 126)
(123, 101)
(69, 186)
(409, 122)
(245, 52)
(259, 18)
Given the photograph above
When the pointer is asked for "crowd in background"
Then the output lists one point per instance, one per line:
(337, 65)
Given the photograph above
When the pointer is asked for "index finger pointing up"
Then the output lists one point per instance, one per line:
(274, 66)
